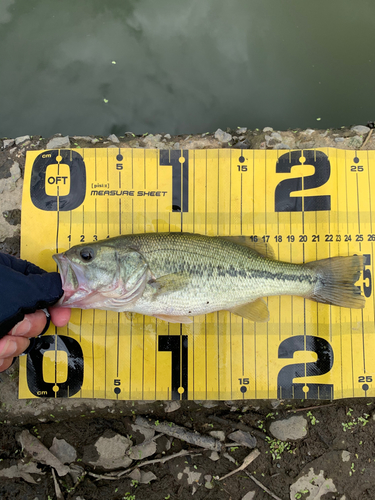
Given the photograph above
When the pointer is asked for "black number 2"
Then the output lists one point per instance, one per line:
(286, 203)
(286, 389)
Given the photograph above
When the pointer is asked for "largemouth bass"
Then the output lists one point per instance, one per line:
(174, 276)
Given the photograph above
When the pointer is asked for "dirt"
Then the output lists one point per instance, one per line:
(345, 425)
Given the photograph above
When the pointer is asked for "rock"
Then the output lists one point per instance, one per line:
(185, 475)
(22, 470)
(31, 445)
(58, 142)
(308, 131)
(241, 130)
(355, 142)
(332, 470)
(250, 495)
(305, 144)
(9, 183)
(214, 456)
(63, 451)
(222, 136)
(208, 485)
(281, 145)
(13, 217)
(176, 145)
(21, 139)
(142, 477)
(243, 438)
(167, 136)
(345, 455)
(86, 138)
(114, 138)
(339, 139)
(108, 452)
(315, 484)
(220, 435)
(171, 406)
(94, 140)
(277, 136)
(360, 129)
(292, 428)
(153, 141)
(275, 403)
(144, 431)
(242, 144)
(268, 129)
(206, 404)
(7, 143)
(143, 450)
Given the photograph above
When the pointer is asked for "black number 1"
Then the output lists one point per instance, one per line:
(180, 194)
(178, 345)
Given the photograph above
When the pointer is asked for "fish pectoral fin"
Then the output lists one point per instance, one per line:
(255, 311)
(169, 283)
(173, 319)
(246, 241)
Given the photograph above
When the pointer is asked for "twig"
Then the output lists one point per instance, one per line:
(312, 407)
(102, 476)
(239, 426)
(367, 138)
(178, 432)
(115, 475)
(258, 483)
(247, 461)
(181, 453)
(59, 495)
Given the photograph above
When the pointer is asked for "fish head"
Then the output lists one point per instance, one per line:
(100, 276)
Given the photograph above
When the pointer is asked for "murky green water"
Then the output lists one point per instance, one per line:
(184, 66)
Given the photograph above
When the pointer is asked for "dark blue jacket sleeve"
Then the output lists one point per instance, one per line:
(24, 288)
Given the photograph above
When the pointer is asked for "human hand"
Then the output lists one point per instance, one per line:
(24, 289)
(17, 340)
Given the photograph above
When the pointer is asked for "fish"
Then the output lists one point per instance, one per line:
(176, 276)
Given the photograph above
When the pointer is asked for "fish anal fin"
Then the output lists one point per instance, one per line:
(255, 311)
(173, 319)
(247, 241)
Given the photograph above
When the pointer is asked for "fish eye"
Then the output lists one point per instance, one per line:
(87, 254)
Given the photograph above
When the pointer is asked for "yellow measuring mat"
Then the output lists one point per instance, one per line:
(306, 205)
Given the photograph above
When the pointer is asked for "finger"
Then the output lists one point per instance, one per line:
(31, 326)
(59, 315)
(12, 346)
(5, 364)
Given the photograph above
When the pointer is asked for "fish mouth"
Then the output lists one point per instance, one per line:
(72, 279)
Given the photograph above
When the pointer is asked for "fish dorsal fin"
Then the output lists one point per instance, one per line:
(255, 311)
(247, 241)
(169, 283)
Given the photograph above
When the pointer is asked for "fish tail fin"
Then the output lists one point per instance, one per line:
(336, 281)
